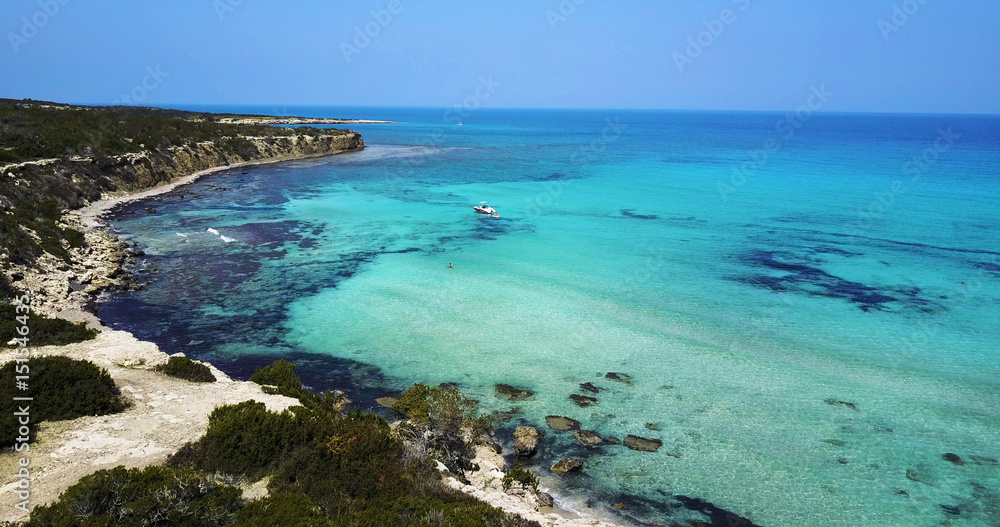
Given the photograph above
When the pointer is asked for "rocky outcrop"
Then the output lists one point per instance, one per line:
(589, 387)
(642, 443)
(558, 422)
(565, 465)
(526, 441)
(583, 400)
(587, 438)
(512, 393)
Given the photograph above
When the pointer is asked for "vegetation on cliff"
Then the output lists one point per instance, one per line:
(325, 468)
(56, 156)
(43, 331)
(187, 369)
(61, 388)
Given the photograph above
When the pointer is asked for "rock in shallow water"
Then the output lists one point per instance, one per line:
(588, 387)
(643, 444)
(526, 441)
(620, 377)
(512, 393)
(587, 438)
(583, 400)
(954, 458)
(568, 464)
(558, 422)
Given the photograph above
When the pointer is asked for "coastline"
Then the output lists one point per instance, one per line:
(90, 215)
(139, 437)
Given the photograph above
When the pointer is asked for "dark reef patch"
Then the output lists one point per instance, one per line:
(806, 278)
(631, 213)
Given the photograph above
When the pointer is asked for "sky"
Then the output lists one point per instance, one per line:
(924, 56)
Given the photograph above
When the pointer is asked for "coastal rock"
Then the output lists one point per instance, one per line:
(545, 500)
(611, 440)
(583, 400)
(642, 443)
(567, 464)
(558, 422)
(587, 438)
(620, 377)
(526, 441)
(589, 387)
(512, 393)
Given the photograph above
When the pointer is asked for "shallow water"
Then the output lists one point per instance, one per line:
(746, 307)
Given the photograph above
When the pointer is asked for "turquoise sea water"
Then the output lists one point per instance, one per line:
(750, 275)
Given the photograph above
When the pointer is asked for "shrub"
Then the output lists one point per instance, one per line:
(279, 378)
(154, 496)
(247, 440)
(521, 475)
(62, 388)
(43, 331)
(187, 369)
(280, 510)
(447, 414)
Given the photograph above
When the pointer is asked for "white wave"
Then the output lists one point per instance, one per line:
(227, 239)
(213, 231)
(182, 235)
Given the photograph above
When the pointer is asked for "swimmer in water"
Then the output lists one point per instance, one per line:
(450, 266)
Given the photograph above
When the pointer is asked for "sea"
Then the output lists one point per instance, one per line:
(805, 306)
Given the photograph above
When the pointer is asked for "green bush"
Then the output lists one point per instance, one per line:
(447, 413)
(42, 330)
(62, 388)
(187, 369)
(154, 496)
(279, 378)
(247, 440)
(283, 509)
(520, 475)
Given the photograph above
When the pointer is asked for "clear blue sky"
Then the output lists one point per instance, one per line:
(944, 57)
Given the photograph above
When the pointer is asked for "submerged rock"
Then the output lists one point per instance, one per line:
(387, 400)
(567, 464)
(504, 416)
(588, 387)
(643, 444)
(653, 426)
(620, 377)
(558, 422)
(526, 441)
(917, 475)
(583, 400)
(834, 402)
(834, 442)
(611, 440)
(954, 458)
(587, 438)
(512, 393)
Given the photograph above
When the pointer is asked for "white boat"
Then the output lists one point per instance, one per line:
(483, 208)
